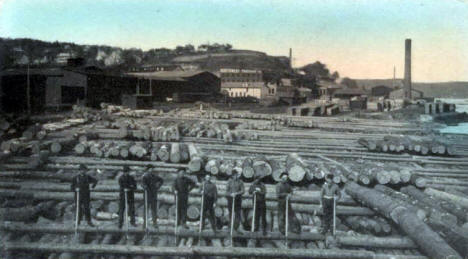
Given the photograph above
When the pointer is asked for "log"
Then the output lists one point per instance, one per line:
(196, 161)
(418, 181)
(261, 168)
(457, 237)
(37, 160)
(428, 201)
(247, 168)
(199, 251)
(175, 153)
(163, 153)
(369, 144)
(460, 201)
(212, 166)
(296, 167)
(400, 213)
(169, 199)
(184, 153)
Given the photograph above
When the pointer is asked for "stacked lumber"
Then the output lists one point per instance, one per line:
(415, 145)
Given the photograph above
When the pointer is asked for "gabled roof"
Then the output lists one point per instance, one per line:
(32, 71)
(169, 75)
(350, 91)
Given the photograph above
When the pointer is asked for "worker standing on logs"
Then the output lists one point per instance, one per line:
(235, 189)
(258, 190)
(182, 186)
(284, 191)
(330, 194)
(127, 185)
(210, 196)
(80, 185)
(151, 184)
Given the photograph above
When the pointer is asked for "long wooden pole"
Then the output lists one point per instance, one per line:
(203, 251)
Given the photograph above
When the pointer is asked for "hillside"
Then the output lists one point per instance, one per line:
(20, 52)
(437, 89)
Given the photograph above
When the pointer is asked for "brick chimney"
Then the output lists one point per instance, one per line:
(407, 80)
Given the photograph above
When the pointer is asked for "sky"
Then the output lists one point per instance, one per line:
(357, 38)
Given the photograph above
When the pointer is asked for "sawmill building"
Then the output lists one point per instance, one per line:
(246, 83)
(177, 85)
(58, 88)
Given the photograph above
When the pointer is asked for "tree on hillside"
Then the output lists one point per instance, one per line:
(316, 69)
(335, 75)
(349, 82)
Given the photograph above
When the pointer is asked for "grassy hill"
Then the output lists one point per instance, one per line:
(437, 89)
(20, 52)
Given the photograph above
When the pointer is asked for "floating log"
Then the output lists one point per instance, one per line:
(429, 241)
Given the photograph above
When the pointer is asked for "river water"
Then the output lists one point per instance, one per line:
(461, 106)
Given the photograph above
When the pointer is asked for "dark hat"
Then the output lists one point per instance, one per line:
(82, 167)
(126, 168)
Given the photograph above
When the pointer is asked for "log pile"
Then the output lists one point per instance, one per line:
(149, 151)
(413, 145)
(415, 221)
(122, 111)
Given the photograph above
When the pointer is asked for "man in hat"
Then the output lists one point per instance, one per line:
(210, 196)
(284, 191)
(235, 189)
(80, 185)
(151, 184)
(127, 185)
(181, 187)
(258, 190)
(329, 195)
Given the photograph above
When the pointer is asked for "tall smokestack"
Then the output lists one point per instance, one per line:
(407, 80)
(290, 58)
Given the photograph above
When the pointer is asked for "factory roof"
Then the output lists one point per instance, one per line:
(350, 91)
(169, 75)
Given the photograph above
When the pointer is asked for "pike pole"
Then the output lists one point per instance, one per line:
(176, 217)
(254, 211)
(334, 216)
(126, 214)
(77, 212)
(287, 220)
(232, 218)
(146, 212)
(201, 214)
